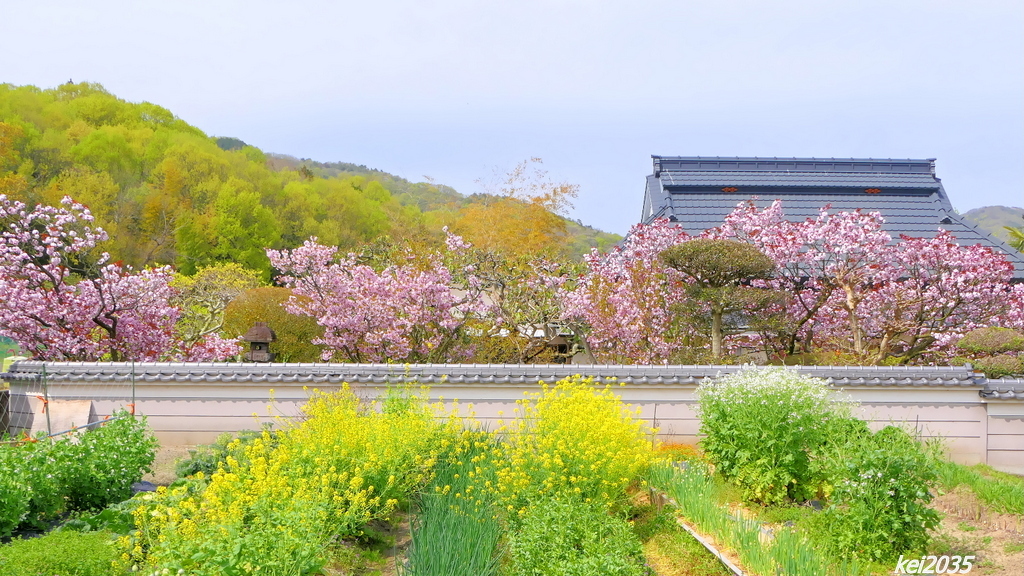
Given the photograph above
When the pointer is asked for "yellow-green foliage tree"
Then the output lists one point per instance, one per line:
(167, 193)
(204, 296)
(523, 216)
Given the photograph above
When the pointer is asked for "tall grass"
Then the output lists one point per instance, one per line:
(1002, 492)
(784, 552)
(456, 531)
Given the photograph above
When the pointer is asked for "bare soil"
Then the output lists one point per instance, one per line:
(970, 527)
(167, 458)
(400, 530)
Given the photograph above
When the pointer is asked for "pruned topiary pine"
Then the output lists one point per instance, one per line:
(719, 269)
(996, 351)
(992, 340)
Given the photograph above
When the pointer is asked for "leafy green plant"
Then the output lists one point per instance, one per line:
(208, 458)
(60, 553)
(38, 469)
(117, 519)
(102, 465)
(85, 472)
(879, 508)
(762, 426)
(561, 537)
(15, 496)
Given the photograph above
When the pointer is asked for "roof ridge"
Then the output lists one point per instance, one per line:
(792, 159)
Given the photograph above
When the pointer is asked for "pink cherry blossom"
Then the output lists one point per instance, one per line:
(852, 289)
(400, 314)
(623, 304)
(62, 303)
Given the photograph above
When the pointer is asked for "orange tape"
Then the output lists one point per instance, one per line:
(45, 402)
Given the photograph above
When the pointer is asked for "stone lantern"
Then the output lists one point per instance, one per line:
(561, 347)
(259, 338)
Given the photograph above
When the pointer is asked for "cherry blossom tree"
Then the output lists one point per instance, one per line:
(852, 288)
(63, 301)
(823, 263)
(934, 291)
(1013, 317)
(522, 292)
(622, 305)
(404, 313)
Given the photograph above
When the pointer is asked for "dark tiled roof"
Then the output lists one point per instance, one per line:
(260, 332)
(760, 164)
(798, 179)
(689, 190)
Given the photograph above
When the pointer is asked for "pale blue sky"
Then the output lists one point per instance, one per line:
(453, 90)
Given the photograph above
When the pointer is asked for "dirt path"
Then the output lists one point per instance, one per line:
(399, 529)
(969, 527)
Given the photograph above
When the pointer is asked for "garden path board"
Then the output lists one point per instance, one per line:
(64, 415)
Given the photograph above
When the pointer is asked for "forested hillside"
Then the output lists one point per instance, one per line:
(167, 193)
(995, 219)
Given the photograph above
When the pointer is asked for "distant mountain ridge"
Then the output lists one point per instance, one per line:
(993, 219)
(424, 195)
